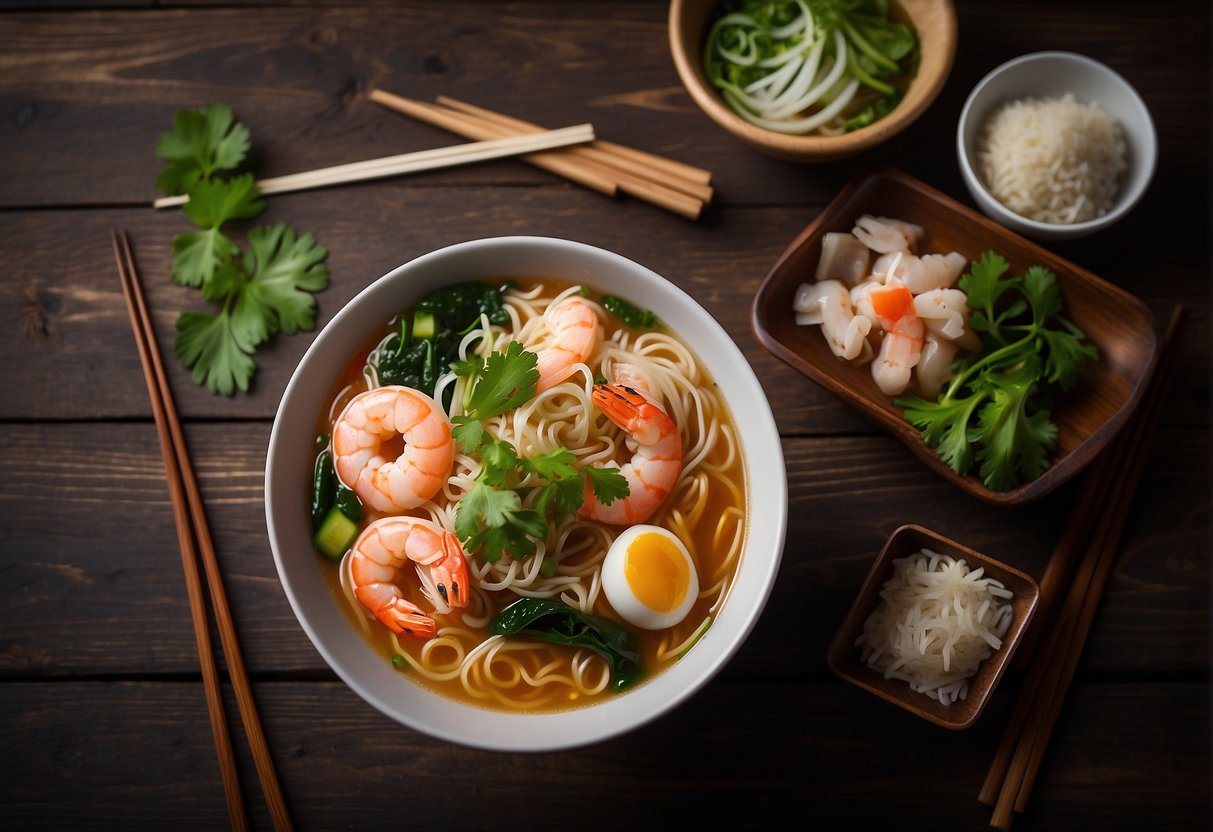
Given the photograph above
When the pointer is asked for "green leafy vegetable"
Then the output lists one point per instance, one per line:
(200, 144)
(797, 66)
(491, 517)
(427, 345)
(994, 412)
(631, 315)
(559, 623)
(460, 306)
(507, 380)
(267, 289)
(329, 492)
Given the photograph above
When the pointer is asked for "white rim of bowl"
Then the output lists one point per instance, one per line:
(1124, 204)
(579, 727)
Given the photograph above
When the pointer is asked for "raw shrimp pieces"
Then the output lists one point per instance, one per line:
(879, 298)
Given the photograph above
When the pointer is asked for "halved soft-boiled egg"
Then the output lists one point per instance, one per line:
(649, 577)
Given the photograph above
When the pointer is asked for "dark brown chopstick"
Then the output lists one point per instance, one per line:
(1089, 545)
(191, 523)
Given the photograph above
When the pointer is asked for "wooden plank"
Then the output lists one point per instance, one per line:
(93, 585)
(62, 297)
(88, 86)
(139, 755)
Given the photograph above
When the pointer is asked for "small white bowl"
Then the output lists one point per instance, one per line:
(288, 465)
(1052, 75)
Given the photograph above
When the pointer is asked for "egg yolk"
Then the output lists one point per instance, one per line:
(656, 571)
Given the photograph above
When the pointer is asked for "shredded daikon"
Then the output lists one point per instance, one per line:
(936, 623)
(798, 66)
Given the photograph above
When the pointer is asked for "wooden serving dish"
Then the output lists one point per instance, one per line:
(844, 656)
(1087, 416)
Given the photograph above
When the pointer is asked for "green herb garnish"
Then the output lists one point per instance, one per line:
(491, 518)
(260, 292)
(995, 410)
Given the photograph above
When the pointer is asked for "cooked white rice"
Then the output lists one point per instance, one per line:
(936, 623)
(1052, 159)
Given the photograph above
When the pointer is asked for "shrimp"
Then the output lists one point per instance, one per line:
(921, 274)
(945, 312)
(885, 235)
(656, 459)
(370, 424)
(843, 257)
(380, 553)
(574, 328)
(630, 375)
(934, 368)
(901, 346)
(828, 303)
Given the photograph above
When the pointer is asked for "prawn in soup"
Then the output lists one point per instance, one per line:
(531, 495)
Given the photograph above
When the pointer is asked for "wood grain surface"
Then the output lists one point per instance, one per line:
(102, 709)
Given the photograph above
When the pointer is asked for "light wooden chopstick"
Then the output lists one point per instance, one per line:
(421, 160)
(603, 166)
(1090, 541)
(634, 163)
(190, 517)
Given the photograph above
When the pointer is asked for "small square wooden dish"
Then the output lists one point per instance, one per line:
(844, 655)
(1087, 416)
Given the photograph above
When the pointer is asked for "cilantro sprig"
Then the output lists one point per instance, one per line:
(259, 292)
(994, 412)
(491, 517)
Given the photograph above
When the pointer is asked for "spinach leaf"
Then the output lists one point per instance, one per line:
(420, 353)
(559, 623)
(631, 315)
(418, 363)
(328, 491)
(457, 307)
(323, 478)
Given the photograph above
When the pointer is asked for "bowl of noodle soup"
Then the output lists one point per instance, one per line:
(469, 683)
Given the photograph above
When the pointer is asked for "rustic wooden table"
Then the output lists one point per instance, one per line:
(102, 711)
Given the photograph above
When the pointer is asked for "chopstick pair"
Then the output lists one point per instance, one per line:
(439, 157)
(193, 535)
(1084, 556)
(603, 166)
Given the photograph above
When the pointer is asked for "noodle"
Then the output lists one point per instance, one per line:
(706, 509)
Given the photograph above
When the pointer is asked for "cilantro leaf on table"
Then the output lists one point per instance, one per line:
(267, 295)
(212, 203)
(285, 269)
(200, 144)
(265, 290)
(212, 347)
(995, 410)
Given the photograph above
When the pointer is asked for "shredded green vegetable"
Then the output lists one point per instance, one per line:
(805, 66)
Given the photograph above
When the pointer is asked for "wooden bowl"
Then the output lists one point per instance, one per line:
(1087, 416)
(844, 655)
(934, 21)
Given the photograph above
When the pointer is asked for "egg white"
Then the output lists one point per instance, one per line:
(619, 591)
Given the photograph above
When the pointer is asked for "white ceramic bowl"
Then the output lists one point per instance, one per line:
(289, 461)
(1051, 75)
